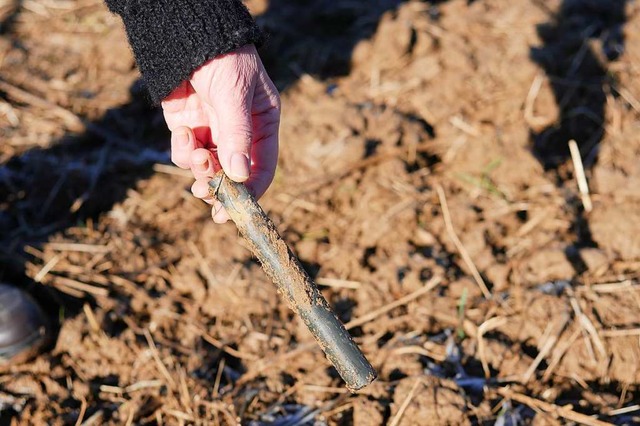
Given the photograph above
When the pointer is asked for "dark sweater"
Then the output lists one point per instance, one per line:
(171, 38)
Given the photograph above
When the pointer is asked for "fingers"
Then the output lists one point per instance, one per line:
(203, 167)
(183, 142)
(202, 163)
(219, 214)
(200, 189)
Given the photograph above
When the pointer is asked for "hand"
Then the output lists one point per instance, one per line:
(227, 115)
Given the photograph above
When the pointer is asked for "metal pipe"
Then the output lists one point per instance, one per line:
(300, 292)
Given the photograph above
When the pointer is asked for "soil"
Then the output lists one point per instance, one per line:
(420, 141)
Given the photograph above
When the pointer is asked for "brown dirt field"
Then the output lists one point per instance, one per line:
(419, 141)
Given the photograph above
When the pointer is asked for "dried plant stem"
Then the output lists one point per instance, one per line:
(388, 307)
(338, 283)
(488, 325)
(85, 248)
(534, 121)
(459, 246)
(580, 176)
(156, 356)
(549, 343)
(405, 404)
(223, 347)
(46, 269)
(216, 384)
(555, 410)
(83, 410)
(71, 120)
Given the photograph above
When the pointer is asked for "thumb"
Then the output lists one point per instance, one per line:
(227, 83)
(232, 106)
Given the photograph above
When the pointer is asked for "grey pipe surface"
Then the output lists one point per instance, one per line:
(300, 292)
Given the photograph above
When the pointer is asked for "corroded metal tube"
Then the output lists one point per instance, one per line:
(293, 283)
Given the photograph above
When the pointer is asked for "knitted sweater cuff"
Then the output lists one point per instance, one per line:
(172, 38)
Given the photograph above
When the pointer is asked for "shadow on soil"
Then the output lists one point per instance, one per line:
(316, 36)
(579, 42)
(8, 15)
(79, 177)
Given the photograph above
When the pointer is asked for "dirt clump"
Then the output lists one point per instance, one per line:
(429, 400)
(611, 225)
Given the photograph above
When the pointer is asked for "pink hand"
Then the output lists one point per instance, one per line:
(227, 115)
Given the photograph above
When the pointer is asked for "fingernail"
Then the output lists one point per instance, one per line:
(182, 138)
(239, 166)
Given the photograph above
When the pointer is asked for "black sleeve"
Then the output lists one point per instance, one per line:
(171, 38)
